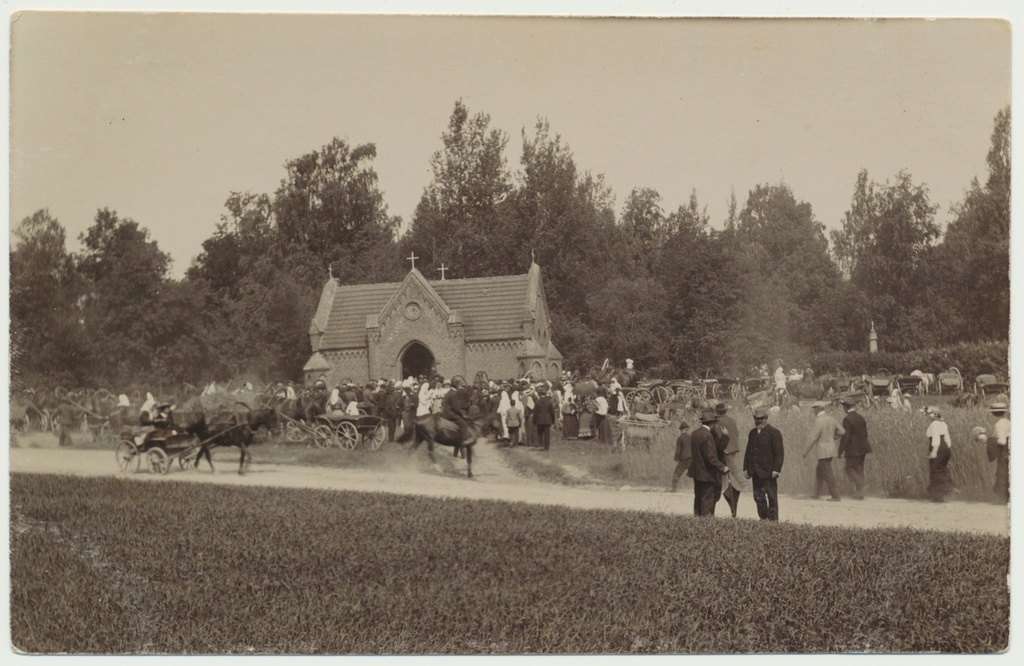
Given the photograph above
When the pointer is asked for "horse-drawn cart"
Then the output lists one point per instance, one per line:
(640, 430)
(950, 380)
(160, 447)
(910, 384)
(346, 431)
(990, 385)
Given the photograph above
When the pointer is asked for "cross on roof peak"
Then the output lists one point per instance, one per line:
(412, 258)
(443, 269)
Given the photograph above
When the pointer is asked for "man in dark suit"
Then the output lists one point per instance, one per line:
(706, 469)
(762, 462)
(544, 416)
(854, 446)
(453, 409)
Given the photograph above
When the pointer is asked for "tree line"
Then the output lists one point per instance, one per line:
(665, 288)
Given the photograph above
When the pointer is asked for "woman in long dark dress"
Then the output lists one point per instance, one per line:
(940, 481)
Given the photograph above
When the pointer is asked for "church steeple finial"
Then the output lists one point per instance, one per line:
(330, 270)
(412, 258)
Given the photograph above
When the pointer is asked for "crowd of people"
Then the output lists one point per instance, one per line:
(529, 409)
(710, 455)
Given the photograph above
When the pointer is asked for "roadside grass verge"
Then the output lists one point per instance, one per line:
(115, 566)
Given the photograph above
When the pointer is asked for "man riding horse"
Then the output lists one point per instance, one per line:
(453, 407)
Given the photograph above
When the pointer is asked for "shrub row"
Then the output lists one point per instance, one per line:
(117, 566)
(972, 359)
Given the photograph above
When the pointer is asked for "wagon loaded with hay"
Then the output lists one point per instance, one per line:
(640, 430)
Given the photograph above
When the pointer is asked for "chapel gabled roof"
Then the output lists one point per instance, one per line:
(491, 308)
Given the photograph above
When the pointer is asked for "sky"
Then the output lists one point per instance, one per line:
(162, 116)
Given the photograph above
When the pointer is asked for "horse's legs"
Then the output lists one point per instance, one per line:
(245, 454)
(469, 461)
(205, 451)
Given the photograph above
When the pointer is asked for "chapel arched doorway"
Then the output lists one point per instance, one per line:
(417, 360)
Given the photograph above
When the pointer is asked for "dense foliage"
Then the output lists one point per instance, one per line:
(116, 566)
(676, 291)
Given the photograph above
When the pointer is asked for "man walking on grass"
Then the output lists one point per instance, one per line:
(682, 456)
(762, 462)
(822, 439)
(854, 446)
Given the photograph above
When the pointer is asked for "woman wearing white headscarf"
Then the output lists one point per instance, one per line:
(504, 404)
(423, 406)
(146, 412)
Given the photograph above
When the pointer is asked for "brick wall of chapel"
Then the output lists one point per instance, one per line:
(430, 328)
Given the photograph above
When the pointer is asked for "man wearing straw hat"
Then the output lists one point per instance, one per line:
(999, 450)
(822, 439)
(706, 469)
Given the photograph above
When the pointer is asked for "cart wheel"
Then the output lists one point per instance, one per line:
(158, 462)
(187, 461)
(294, 432)
(663, 394)
(348, 435)
(377, 437)
(85, 425)
(128, 457)
(323, 436)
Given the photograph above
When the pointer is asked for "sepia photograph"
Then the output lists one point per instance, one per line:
(450, 330)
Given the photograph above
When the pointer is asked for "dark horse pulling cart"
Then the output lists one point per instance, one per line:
(165, 441)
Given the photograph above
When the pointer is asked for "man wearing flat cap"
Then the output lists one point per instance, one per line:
(706, 469)
(762, 462)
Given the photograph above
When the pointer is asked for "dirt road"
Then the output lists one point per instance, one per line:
(494, 480)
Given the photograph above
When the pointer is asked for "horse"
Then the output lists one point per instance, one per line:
(433, 429)
(230, 429)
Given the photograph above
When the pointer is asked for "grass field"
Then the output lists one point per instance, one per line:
(116, 566)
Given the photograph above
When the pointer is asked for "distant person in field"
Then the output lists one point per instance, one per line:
(854, 446)
(734, 482)
(780, 382)
(998, 448)
(66, 419)
(822, 439)
(683, 455)
(706, 469)
(940, 481)
(762, 462)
